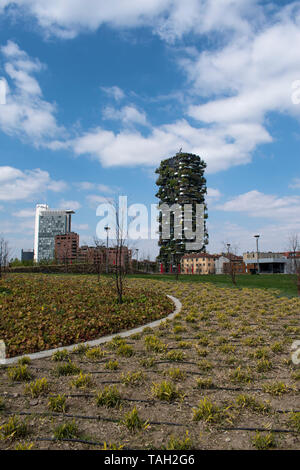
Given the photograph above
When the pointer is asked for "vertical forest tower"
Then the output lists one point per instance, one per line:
(180, 181)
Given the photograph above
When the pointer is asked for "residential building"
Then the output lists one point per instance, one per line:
(48, 224)
(198, 263)
(234, 263)
(27, 255)
(66, 247)
(181, 182)
(97, 255)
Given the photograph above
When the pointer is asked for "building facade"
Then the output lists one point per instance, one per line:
(265, 262)
(48, 224)
(66, 247)
(27, 255)
(181, 182)
(198, 263)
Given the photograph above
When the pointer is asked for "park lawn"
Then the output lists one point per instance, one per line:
(39, 312)
(285, 283)
(219, 375)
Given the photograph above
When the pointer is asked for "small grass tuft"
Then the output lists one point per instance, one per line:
(13, 429)
(67, 369)
(263, 441)
(166, 391)
(19, 373)
(82, 381)
(133, 422)
(57, 403)
(109, 397)
(37, 388)
(66, 431)
(60, 355)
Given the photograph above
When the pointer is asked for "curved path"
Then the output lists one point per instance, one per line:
(96, 342)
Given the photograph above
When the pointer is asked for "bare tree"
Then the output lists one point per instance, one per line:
(294, 247)
(230, 252)
(4, 254)
(121, 248)
(99, 255)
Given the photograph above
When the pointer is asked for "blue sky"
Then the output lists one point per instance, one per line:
(99, 92)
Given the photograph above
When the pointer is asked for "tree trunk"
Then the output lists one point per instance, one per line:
(298, 283)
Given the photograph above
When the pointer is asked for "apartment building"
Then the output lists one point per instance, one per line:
(198, 263)
(48, 224)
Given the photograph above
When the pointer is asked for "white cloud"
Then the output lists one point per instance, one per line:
(96, 199)
(24, 213)
(69, 205)
(295, 184)
(25, 185)
(170, 19)
(87, 186)
(257, 204)
(247, 79)
(80, 226)
(25, 114)
(213, 193)
(219, 149)
(273, 237)
(128, 115)
(115, 92)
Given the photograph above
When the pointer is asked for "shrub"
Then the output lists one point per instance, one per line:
(154, 344)
(132, 378)
(133, 422)
(19, 373)
(176, 443)
(57, 403)
(67, 369)
(24, 360)
(147, 362)
(109, 397)
(13, 429)
(246, 401)
(66, 431)
(125, 350)
(82, 381)
(176, 356)
(112, 365)
(37, 388)
(263, 441)
(175, 373)
(204, 383)
(294, 421)
(60, 355)
(276, 388)
(240, 376)
(208, 412)
(166, 391)
(95, 353)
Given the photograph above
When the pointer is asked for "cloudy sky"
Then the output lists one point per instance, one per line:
(98, 92)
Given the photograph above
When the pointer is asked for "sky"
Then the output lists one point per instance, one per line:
(97, 93)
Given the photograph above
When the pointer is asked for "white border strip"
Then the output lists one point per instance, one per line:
(96, 342)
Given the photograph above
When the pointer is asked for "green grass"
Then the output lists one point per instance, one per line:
(286, 283)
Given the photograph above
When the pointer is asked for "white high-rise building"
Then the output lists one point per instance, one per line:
(48, 224)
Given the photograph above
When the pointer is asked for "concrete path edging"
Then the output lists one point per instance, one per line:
(96, 342)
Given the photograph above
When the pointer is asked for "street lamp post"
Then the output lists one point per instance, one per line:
(257, 253)
(107, 228)
(228, 255)
(137, 258)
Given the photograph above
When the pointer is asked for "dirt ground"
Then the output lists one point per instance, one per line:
(218, 356)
